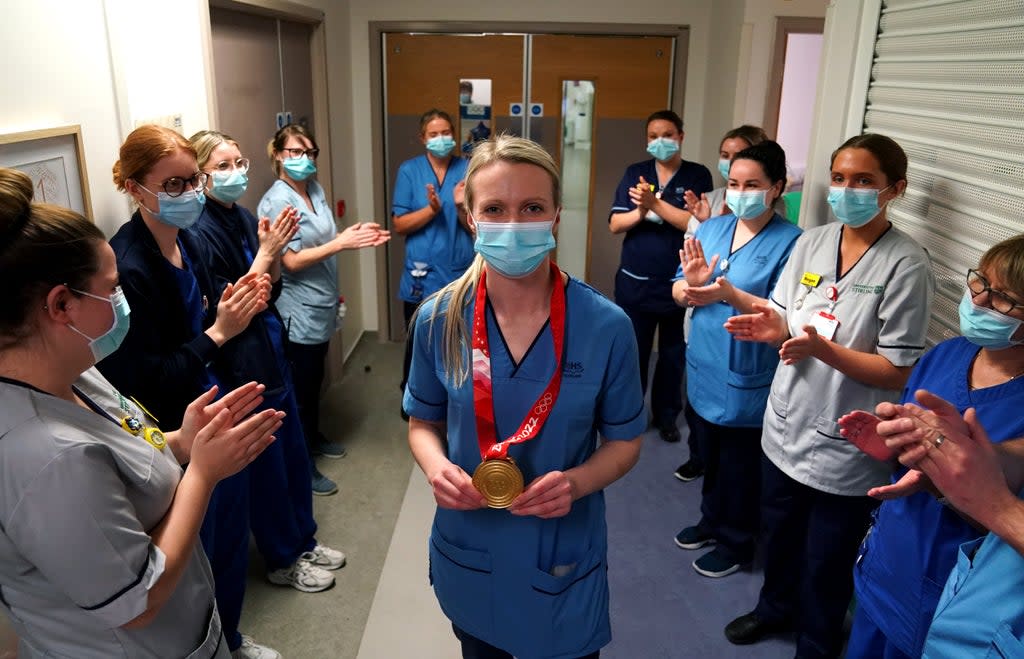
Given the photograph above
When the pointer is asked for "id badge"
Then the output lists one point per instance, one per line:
(825, 324)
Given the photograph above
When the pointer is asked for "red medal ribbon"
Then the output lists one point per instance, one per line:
(483, 397)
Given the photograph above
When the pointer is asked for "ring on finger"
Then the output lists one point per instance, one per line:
(939, 439)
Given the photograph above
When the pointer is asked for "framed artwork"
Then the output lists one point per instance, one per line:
(53, 158)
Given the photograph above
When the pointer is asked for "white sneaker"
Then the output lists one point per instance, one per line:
(302, 575)
(249, 649)
(324, 557)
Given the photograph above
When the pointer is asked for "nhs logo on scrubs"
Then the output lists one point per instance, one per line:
(572, 370)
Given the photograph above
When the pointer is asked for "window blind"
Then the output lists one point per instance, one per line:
(947, 83)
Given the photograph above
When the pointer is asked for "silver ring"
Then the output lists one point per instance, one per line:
(938, 440)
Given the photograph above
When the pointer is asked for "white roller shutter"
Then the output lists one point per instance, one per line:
(948, 85)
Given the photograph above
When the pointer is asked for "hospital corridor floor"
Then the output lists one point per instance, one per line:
(382, 606)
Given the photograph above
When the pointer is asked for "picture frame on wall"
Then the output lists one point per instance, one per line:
(54, 159)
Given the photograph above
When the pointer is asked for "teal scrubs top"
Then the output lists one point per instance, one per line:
(441, 250)
(308, 303)
(727, 381)
(533, 587)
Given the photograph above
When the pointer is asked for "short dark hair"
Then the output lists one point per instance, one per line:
(665, 115)
(772, 159)
(434, 113)
(750, 134)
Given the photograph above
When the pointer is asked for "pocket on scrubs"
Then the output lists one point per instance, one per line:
(463, 584)
(319, 316)
(745, 397)
(569, 610)
(214, 644)
(1006, 644)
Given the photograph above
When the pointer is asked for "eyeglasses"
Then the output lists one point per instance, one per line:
(176, 186)
(999, 301)
(298, 153)
(240, 164)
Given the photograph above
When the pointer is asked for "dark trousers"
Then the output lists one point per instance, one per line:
(694, 440)
(308, 363)
(730, 503)
(408, 309)
(474, 648)
(225, 538)
(810, 543)
(667, 385)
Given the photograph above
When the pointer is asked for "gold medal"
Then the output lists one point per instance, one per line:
(499, 480)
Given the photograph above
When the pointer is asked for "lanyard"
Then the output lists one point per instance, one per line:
(483, 396)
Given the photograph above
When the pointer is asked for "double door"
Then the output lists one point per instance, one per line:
(583, 97)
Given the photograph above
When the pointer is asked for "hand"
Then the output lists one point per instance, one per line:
(699, 208)
(696, 268)
(911, 482)
(718, 291)
(964, 467)
(360, 235)
(861, 429)
(799, 348)
(763, 326)
(432, 199)
(913, 430)
(642, 195)
(274, 237)
(200, 412)
(459, 194)
(238, 304)
(546, 497)
(221, 449)
(453, 489)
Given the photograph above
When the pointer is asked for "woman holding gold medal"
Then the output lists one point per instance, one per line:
(553, 364)
(83, 463)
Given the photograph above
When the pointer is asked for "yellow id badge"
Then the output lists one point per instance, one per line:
(810, 279)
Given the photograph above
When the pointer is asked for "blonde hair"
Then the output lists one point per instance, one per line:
(276, 145)
(143, 149)
(1007, 260)
(205, 142)
(457, 295)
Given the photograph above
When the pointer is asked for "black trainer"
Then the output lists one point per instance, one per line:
(669, 433)
(751, 628)
(689, 471)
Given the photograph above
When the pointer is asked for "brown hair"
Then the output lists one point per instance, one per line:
(41, 246)
(665, 115)
(1007, 259)
(281, 138)
(750, 134)
(892, 160)
(206, 141)
(434, 113)
(143, 148)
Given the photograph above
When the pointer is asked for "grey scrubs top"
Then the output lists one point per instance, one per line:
(78, 497)
(882, 307)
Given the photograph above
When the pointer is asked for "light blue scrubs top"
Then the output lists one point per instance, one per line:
(981, 612)
(533, 587)
(727, 381)
(441, 250)
(308, 303)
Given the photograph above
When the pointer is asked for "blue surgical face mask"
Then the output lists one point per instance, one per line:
(723, 167)
(514, 249)
(465, 98)
(228, 186)
(104, 345)
(662, 148)
(299, 169)
(854, 207)
(182, 211)
(748, 204)
(441, 145)
(986, 327)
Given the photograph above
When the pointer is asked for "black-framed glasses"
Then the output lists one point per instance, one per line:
(176, 186)
(999, 300)
(298, 153)
(240, 164)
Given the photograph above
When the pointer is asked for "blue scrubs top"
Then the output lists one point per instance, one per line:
(441, 250)
(908, 555)
(309, 298)
(981, 613)
(195, 304)
(650, 250)
(533, 587)
(727, 381)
